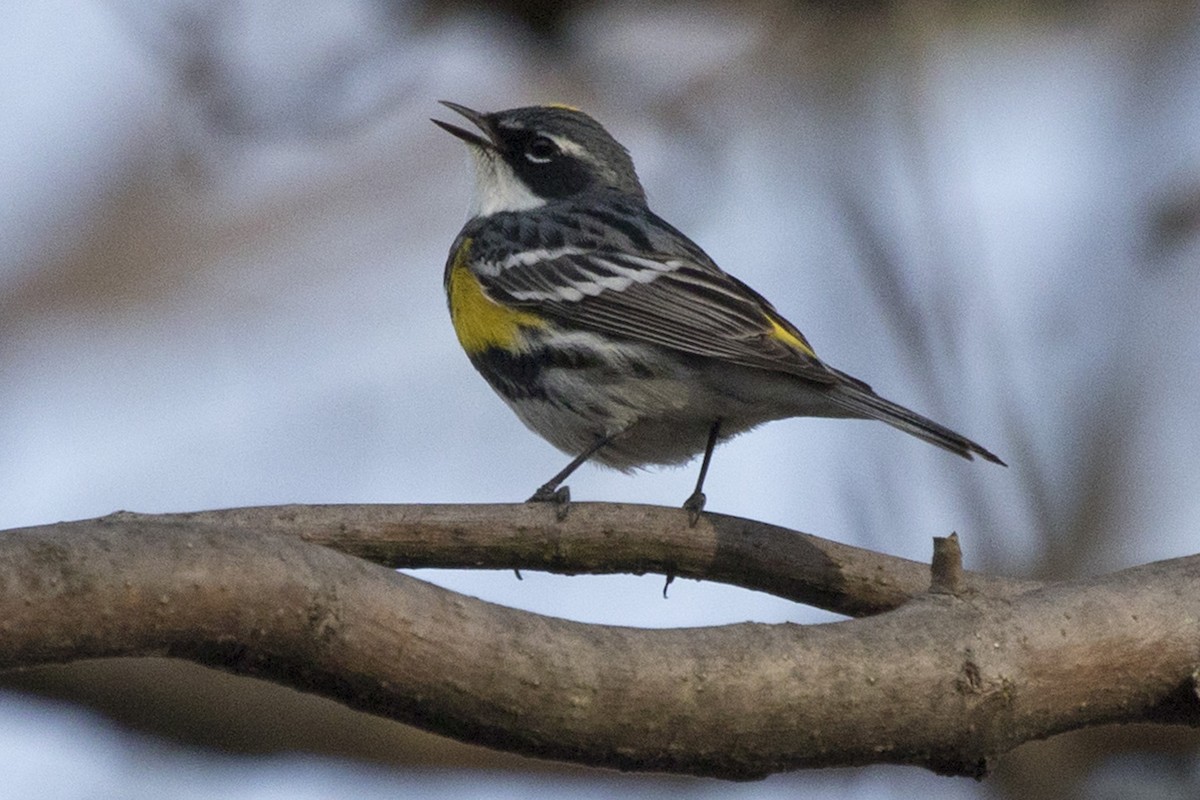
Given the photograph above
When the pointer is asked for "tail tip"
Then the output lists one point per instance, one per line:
(985, 454)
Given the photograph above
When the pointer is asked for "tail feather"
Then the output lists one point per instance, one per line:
(859, 399)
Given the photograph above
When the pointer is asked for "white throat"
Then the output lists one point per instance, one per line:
(497, 187)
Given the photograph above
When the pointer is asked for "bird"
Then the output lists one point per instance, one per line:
(609, 332)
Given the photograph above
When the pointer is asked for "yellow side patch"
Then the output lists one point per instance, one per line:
(479, 321)
(787, 334)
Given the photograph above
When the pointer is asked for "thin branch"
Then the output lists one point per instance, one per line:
(606, 538)
(944, 682)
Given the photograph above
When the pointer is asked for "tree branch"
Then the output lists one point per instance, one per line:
(605, 538)
(944, 681)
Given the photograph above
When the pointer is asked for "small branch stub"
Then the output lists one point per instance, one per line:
(947, 569)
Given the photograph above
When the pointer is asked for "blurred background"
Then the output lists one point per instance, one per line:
(223, 230)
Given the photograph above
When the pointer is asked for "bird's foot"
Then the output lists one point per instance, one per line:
(694, 505)
(560, 497)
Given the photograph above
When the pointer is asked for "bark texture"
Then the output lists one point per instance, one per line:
(946, 680)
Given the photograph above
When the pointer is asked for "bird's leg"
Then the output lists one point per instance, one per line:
(695, 504)
(551, 492)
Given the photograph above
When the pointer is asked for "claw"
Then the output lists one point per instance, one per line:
(694, 505)
(560, 497)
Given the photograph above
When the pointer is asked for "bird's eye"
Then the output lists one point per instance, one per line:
(541, 150)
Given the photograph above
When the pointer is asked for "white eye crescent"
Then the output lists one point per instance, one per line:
(540, 150)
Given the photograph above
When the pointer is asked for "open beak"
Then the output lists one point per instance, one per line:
(471, 138)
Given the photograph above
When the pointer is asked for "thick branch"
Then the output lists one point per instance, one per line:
(944, 681)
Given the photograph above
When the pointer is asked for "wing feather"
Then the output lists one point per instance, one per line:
(677, 301)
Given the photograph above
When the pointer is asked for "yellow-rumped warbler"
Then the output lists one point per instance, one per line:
(610, 333)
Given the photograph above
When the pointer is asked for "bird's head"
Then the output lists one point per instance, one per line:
(527, 157)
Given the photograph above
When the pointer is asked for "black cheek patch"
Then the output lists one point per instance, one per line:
(560, 177)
